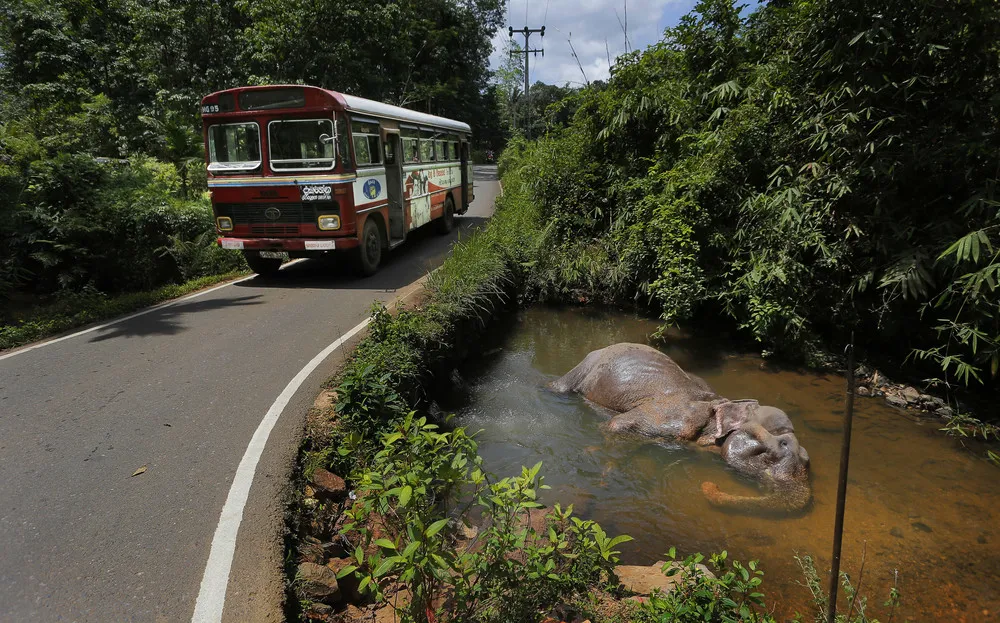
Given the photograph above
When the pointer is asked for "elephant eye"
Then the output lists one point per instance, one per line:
(784, 444)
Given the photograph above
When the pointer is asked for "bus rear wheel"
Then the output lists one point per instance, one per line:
(447, 221)
(263, 266)
(368, 255)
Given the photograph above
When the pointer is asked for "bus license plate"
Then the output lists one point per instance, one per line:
(272, 255)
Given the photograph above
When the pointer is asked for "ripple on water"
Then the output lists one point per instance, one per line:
(918, 502)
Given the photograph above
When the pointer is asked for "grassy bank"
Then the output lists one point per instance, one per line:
(80, 309)
(397, 511)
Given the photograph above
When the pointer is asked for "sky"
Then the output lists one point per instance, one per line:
(589, 23)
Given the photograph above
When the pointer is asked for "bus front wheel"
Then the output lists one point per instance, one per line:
(368, 255)
(263, 266)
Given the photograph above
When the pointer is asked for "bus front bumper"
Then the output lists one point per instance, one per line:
(287, 244)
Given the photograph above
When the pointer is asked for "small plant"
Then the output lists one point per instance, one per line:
(857, 603)
(964, 426)
(419, 487)
(732, 596)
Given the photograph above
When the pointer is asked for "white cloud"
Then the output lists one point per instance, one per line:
(592, 25)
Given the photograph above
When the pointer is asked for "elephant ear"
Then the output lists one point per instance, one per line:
(731, 415)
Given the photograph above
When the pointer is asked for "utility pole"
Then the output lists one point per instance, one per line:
(527, 32)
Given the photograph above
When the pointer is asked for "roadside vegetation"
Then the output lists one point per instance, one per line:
(808, 170)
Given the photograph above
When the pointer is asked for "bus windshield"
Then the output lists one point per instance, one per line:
(301, 144)
(233, 147)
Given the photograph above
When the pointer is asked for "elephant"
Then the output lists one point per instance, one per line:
(652, 397)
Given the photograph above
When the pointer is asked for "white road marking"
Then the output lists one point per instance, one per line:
(148, 310)
(212, 595)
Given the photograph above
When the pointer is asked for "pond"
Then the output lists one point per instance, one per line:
(918, 503)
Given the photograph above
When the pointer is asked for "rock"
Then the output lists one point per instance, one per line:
(863, 391)
(896, 401)
(311, 550)
(349, 583)
(466, 532)
(309, 491)
(925, 399)
(862, 372)
(318, 583)
(329, 485)
(646, 580)
(910, 394)
(944, 411)
(919, 525)
(896, 532)
(318, 610)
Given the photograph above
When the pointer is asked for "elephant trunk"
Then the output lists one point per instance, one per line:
(791, 497)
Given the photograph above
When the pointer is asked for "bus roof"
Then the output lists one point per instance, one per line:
(326, 99)
(405, 115)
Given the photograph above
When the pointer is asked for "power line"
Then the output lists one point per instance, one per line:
(545, 18)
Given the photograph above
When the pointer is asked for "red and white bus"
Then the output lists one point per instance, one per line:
(303, 171)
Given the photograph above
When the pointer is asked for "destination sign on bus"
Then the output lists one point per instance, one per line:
(316, 192)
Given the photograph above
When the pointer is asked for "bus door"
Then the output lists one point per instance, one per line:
(394, 186)
(465, 176)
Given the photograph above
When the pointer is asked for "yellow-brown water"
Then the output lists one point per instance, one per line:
(926, 507)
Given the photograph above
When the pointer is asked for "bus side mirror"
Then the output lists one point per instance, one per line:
(326, 139)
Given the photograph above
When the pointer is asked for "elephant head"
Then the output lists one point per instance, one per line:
(760, 442)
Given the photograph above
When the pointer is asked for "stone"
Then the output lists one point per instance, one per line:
(863, 391)
(919, 525)
(944, 411)
(646, 580)
(896, 401)
(862, 372)
(896, 532)
(311, 550)
(318, 610)
(925, 399)
(911, 394)
(318, 583)
(329, 485)
(349, 583)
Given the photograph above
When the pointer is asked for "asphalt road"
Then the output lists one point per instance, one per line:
(179, 390)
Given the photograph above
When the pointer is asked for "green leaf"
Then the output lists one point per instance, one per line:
(386, 543)
(349, 569)
(412, 547)
(435, 527)
(385, 567)
(405, 494)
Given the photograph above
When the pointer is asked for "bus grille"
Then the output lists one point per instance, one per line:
(271, 230)
(257, 213)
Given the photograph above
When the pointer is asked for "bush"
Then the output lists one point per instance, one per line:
(803, 171)
(116, 227)
(424, 481)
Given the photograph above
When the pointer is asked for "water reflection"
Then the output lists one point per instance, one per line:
(923, 505)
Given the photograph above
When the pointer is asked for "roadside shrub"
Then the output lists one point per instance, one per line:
(418, 487)
(115, 227)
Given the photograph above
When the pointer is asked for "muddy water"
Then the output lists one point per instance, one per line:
(918, 503)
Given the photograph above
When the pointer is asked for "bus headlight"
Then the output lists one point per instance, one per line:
(328, 222)
(224, 223)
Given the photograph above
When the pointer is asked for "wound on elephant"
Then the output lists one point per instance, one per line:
(653, 398)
